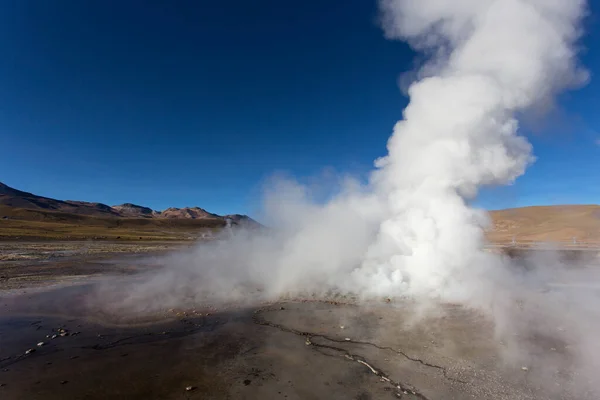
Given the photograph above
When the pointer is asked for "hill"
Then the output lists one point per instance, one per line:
(18, 199)
(26, 215)
(566, 224)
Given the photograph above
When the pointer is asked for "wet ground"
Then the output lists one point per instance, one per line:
(57, 344)
(54, 346)
(36, 264)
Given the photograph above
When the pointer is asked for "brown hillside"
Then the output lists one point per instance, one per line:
(187, 213)
(547, 224)
(17, 199)
(18, 223)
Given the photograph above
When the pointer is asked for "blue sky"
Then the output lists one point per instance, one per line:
(198, 102)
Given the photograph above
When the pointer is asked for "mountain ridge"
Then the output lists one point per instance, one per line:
(15, 198)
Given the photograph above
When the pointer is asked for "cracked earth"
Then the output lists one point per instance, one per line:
(289, 350)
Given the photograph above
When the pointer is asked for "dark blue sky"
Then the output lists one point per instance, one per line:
(197, 102)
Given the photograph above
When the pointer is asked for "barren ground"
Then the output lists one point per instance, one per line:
(288, 350)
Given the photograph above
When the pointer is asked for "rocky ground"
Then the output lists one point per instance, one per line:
(57, 343)
(291, 350)
(26, 264)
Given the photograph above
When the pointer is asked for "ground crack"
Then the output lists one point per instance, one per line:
(400, 352)
(444, 370)
(404, 388)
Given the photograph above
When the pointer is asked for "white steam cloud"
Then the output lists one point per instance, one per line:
(492, 59)
(411, 232)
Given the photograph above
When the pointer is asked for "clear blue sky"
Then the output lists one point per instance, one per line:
(196, 102)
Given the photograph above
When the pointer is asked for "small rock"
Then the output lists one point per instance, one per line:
(341, 326)
(307, 342)
(282, 308)
(525, 368)
(54, 337)
(347, 339)
(40, 344)
(29, 351)
(247, 382)
(189, 388)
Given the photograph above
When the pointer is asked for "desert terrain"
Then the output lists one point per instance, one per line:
(58, 340)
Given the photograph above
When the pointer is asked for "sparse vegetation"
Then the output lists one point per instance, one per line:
(38, 224)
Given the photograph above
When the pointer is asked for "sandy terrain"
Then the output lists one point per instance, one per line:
(570, 225)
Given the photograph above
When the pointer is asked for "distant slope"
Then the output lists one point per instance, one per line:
(133, 210)
(19, 223)
(17, 199)
(187, 213)
(547, 224)
(28, 215)
(243, 221)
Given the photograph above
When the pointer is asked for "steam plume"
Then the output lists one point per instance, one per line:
(491, 60)
(410, 231)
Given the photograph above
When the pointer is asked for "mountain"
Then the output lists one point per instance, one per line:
(16, 199)
(528, 225)
(134, 211)
(242, 220)
(187, 213)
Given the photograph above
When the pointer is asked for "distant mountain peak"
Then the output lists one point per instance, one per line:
(187, 213)
(133, 210)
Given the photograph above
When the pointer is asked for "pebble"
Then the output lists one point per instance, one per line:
(347, 339)
(189, 388)
(29, 351)
(525, 368)
(40, 344)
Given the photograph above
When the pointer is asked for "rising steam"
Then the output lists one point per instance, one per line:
(411, 232)
(492, 60)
